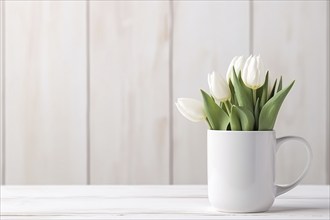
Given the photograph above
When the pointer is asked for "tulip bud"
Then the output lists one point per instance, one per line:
(218, 87)
(192, 109)
(253, 74)
(237, 62)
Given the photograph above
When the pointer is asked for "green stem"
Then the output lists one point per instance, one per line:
(227, 106)
(254, 93)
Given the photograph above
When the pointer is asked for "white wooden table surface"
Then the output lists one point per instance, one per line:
(147, 202)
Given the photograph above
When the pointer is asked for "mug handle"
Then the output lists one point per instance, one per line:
(280, 189)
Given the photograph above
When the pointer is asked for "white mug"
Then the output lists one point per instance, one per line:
(241, 169)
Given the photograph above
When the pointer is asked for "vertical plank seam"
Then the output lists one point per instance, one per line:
(327, 159)
(3, 108)
(88, 147)
(251, 28)
(171, 141)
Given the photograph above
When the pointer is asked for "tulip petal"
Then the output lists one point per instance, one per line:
(230, 68)
(237, 62)
(253, 72)
(245, 68)
(218, 87)
(192, 109)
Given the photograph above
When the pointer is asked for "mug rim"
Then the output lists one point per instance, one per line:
(229, 131)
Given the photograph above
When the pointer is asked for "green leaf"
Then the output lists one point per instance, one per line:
(208, 122)
(216, 116)
(228, 106)
(242, 93)
(232, 92)
(247, 89)
(264, 89)
(259, 92)
(235, 124)
(246, 118)
(279, 85)
(240, 80)
(272, 92)
(256, 113)
(223, 107)
(270, 110)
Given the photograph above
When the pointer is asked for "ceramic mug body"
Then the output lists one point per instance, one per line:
(241, 170)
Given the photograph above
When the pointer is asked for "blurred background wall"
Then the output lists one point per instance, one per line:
(88, 87)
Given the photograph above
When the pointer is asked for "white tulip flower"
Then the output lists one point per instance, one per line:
(253, 74)
(237, 62)
(192, 109)
(218, 87)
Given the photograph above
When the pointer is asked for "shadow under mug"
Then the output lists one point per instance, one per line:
(241, 169)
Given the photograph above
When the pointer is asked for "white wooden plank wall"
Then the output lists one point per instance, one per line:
(205, 39)
(87, 88)
(294, 45)
(2, 162)
(129, 47)
(45, 92)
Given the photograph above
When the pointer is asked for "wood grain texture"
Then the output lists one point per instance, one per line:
(130, 85)
(45, 92)
(129, 50)
(2, 51)
(291, 37)
(148, 202)
(204, 40)
(327, 170)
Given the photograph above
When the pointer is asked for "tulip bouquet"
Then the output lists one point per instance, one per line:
(246, 101)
